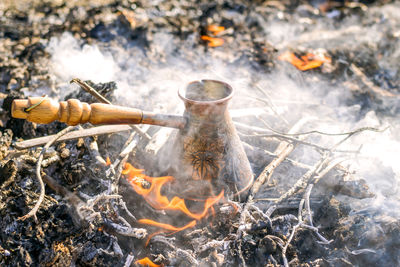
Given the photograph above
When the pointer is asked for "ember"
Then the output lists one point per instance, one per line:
(108, 161)
(306, 62)
(147, 262)
(212, 41)
(215, 29)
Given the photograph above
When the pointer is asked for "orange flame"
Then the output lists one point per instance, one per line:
(215, 29)
(307, 62)
(147, 262)
(108, 161)
(212, 41)
(153, 194)
(168, 226)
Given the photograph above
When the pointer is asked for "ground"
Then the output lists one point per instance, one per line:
(151, 47)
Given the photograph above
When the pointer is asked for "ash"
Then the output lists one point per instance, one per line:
(320, 198)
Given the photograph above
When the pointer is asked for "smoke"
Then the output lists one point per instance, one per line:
(70, 58)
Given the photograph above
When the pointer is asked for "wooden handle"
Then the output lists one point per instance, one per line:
(73, 112)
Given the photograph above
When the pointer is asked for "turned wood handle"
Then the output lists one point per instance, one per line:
(73, 112)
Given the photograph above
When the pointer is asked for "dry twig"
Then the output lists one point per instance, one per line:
(80, 133)
(283, 150)
(370, 85)
(33, 211)
(128, 261)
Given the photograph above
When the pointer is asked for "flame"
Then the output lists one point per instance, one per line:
(147, 262)
(168, 226)
(307, 62)
(212, 41)
(215, 29)
(108, 161)
(153, 194)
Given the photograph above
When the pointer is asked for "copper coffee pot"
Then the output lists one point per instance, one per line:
(207, 153)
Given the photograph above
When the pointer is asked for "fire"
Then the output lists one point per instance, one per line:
(306, 62)
(212, 41)
(153, 194)
(108, 161)
(168, 226)
(215, 29)
(147, 262)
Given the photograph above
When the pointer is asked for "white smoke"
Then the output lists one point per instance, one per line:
(70, 58)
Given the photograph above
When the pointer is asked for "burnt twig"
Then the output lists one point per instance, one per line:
(126, 230)
(370, 85)
(90, 90)
(303, 181)
(33, 211)
(128, 261)
(362, 129)
(283, 150)
(187, 256)
(93, 149)
(289, 136)
(295, 140)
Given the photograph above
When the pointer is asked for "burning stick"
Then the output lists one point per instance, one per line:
(117, 167)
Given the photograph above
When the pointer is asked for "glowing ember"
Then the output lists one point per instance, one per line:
(212, 41)
(147, 262)
(153, 194)
(215, 29)
(308, 61)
